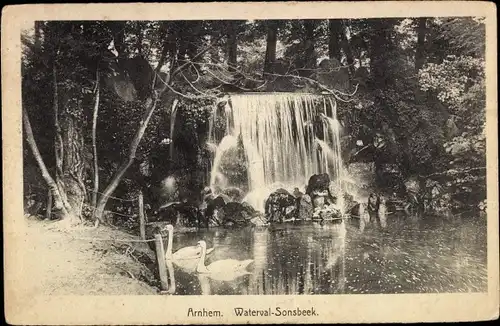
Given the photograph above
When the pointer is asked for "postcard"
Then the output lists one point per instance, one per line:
(264, 162)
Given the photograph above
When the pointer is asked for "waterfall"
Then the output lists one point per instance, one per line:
(287, 137)
(227, 143)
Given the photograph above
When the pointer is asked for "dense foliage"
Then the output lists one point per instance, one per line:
(419, 91)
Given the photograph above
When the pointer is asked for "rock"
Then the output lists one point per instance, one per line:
(206, 193)
(235, 214)
(318, 188)
(373, 204)
(434, 197)
(249, 208)
(328, 212)
(297, 193)
(280, 206)
(259, 220)
(318, 183)
(234, 194)
(349, 202)
(226, 198)
(318, 201)
(305, 208)
(375, 210)
(212, 211)
(412, 185)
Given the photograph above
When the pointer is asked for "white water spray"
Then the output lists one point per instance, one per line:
(279, 133)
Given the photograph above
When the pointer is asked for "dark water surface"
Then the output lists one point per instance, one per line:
(412, 255)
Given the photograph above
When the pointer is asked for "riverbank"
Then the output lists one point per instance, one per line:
(77, 261)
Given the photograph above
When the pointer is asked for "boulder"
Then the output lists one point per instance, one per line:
(280, 206)
(318, 201)
(259, 220)
(213, 208)
(305, 208)
(235, 215)
(318, 183)
(318, 188)
(328, 212)
(297, 193)
(373, 204)
(234, 194)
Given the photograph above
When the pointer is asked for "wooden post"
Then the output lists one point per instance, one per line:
(162, 265)
(48, 212)
(142, 221)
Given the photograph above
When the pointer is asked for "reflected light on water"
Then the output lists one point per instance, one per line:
(406, 257)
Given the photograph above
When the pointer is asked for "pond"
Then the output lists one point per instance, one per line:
(411, 255)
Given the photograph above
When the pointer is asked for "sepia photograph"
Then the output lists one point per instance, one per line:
(255, 157)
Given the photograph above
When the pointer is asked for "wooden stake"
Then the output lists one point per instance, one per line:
(162, 265)
(142, 221)
(48, 212)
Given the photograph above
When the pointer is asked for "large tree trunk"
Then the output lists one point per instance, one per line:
(346, 47)
(72, 181)
(380, 46)
(95, 188)
(169, 49)
(150, 105)
(232, 45)
(309, 53)
(334, 34)
(68, 146)
(38, 29)
(118, 30)
(420, 51)
(272, 37)
(420, 54)
(58, 201)
(140, 37)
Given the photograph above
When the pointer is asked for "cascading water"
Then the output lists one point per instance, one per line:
(280, 134)
(227, 143)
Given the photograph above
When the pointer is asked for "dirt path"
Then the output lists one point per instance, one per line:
(73, 261)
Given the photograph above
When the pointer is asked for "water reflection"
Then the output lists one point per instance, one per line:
(406, 256)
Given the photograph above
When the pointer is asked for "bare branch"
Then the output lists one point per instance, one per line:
(179, 69)
(197, 90)
(198, 76)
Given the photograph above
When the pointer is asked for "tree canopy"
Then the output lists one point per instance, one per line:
(418, 83)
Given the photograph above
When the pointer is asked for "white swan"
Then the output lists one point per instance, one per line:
(222, 270)
(186, 253)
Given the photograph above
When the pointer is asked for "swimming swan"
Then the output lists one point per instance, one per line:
(222, 270)
(186, 253)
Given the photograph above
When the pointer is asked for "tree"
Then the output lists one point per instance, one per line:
(232, 43)
(421, 78)
(309, 53)
(272, 37)
(335, 32)
(60, 48)
(59, 203)
(420, 51)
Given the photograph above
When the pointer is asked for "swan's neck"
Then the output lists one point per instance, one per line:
(201, 268)
(170, 243)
